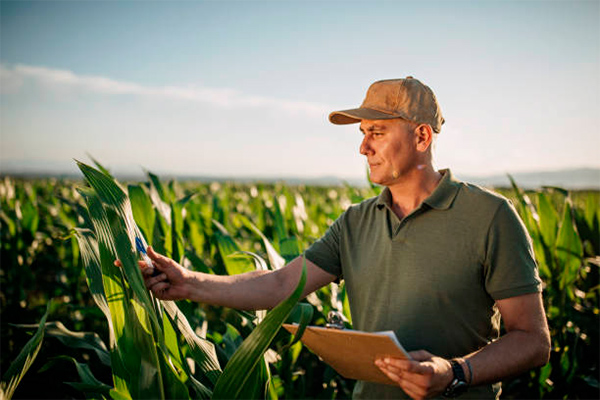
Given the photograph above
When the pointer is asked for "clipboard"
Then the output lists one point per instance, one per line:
(352, 353)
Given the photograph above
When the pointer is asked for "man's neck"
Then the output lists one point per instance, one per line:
(409, 193)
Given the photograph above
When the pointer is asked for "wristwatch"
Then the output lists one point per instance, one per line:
(459, 384)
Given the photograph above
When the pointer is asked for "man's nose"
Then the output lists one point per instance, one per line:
(365, 146)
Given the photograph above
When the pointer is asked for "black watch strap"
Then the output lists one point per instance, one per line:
(459, 384)
(458, 371)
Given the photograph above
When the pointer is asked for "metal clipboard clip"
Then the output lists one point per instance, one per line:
(335, 320)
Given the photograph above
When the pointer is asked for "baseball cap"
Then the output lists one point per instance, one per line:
(406, 98)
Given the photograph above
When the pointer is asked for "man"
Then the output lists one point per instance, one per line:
(434, 259)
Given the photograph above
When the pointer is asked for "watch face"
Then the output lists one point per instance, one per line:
(459, 388)
(456, 388)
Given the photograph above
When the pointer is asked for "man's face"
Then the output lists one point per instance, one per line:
(390, 148)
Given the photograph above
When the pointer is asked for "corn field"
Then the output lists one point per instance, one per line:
(73, 325)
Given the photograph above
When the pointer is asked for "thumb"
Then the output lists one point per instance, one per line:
(157, 259)
(153, 255)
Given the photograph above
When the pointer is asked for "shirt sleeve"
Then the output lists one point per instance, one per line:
(325, 252)
(510, 267)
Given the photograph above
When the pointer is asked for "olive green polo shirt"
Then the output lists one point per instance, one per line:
(432, 277)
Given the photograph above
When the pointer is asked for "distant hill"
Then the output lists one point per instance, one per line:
(581, 178)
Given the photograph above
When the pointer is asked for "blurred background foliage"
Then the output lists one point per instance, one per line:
(203, 224)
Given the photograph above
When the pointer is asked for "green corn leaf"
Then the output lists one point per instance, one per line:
(160, 189)
(256, 386)
(139, 327)
(172, 342)
(544, 245)
(526, 209)
(278, 220)
(88, 246)
(250, 353)
(31, 217)
(592, 218)
(119, 394)
(105, 187)
(569, 249)
(161, 201)
(218, 211)
(259, 263)
(549, 221)
(75, 340)
(186, 199)
(346, 304)
(145, 364)
(544, 375)
(202, 351)
(101, 167)
(591, 210)
(19, 367)
(173, 385)
(303, 315)
(115, 293)
(197, 263)
(161, 236)
(89, 383)
(195, 234)
(290, 248)
(231, 340)
(117, 227)
(275, 260)
(227, 247)
(592, 381)
(143, 211)
(177, 231)
(125, 253)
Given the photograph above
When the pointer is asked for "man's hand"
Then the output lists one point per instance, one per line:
(422, 377)
(171, 280)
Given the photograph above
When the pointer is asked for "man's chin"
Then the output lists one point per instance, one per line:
(376, 180)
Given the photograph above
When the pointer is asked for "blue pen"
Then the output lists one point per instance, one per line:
(140, 248)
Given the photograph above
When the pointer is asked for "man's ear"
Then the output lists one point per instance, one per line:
(423, 137)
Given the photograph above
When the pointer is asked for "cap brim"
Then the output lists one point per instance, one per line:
(357, 114)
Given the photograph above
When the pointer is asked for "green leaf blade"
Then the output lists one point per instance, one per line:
(250, 353)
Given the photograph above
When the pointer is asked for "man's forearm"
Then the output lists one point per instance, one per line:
(254, 290)
(512, 354)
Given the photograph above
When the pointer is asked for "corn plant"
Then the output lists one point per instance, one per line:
(146, 358)
(59, 240)
(14, 374)
(569, 267)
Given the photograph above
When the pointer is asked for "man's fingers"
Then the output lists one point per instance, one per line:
(406, 380)
(397, 362)
(385, 368)
(391, 367)
(392, 376)
(420, 355)
(150, 282)
(159, 287)
(413, 390)
(407, 366)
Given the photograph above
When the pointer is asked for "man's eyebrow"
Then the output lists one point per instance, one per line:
(372, 128)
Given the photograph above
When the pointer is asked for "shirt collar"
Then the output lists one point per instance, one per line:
(441, 198)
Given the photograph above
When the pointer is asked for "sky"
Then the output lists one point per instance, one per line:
(244, 88)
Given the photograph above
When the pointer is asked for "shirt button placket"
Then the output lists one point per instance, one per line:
(402, 233)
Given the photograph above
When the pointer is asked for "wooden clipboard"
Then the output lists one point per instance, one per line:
(352, 353)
